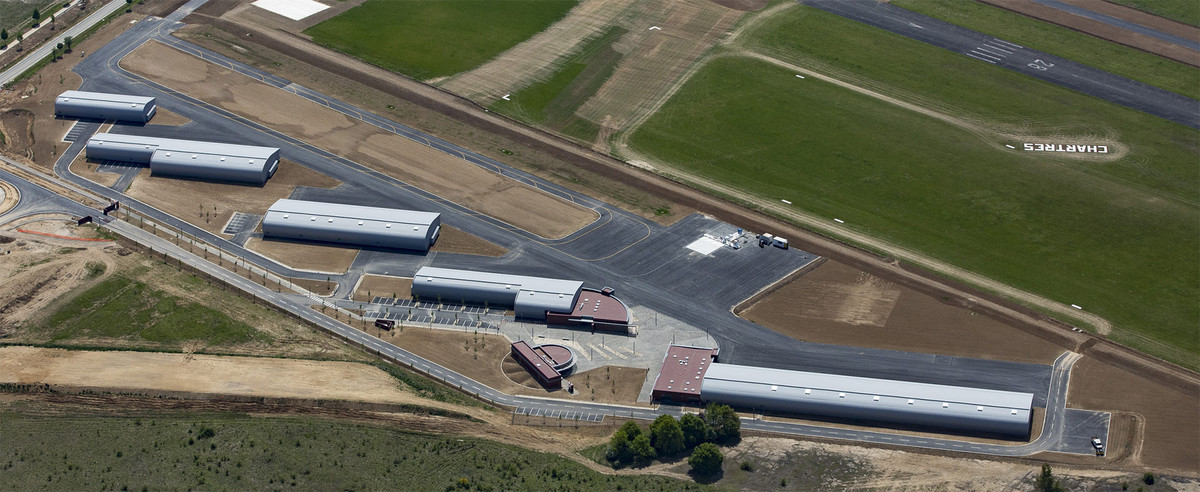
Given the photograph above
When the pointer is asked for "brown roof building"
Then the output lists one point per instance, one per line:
(682, 373)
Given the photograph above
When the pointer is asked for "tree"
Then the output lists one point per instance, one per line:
(3, 34)
(695, 431)
(129, 5)
(36, 17)
(643, 452)
(67, 41)
(706, 459)
(723, 423)
(620, 447)
(666, 436)
(1046, 481)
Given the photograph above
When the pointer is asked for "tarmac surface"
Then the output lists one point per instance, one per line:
(648, 264)
(988, 49)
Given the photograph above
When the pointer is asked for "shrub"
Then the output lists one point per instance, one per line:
(706, 459)
(1148, 478)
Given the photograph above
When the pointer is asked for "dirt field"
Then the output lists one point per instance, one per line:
(327, 258)
(205, 374)
(209, 206)
(40, 269)
(486, 358)
(370, 286)
(841, 305)
(447, 176)
(654, 60)
(1171, 436)
(538, 57)
(1111, 33)
(454, 240)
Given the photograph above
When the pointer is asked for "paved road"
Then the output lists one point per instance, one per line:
(1190, 44)
(43, 51)
(987, 49)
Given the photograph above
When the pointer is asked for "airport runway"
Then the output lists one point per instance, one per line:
(987, 49)
(646, 262)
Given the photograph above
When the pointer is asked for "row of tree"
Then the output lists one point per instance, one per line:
(669, 437)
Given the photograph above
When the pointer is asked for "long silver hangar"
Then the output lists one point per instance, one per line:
(189, 158)
(958, 408)
(530, 297)
(105, 106)
(352, 224)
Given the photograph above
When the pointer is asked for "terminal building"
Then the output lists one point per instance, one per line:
(188, 158)
(104, 106)
(880, 401)
(352, 224)
(544, 299)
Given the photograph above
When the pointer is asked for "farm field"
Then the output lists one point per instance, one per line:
(218, 451)
(1083, 48)
(429, 39)
(1116, 236)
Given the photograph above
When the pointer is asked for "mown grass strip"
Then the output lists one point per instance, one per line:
(427, 39)
(1184, 11)
(1076, 46)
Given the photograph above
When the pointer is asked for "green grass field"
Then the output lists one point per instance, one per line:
(120, 307)
(1184, 11)
(552, 103)
(1118, 238)
(178, 451)
(426, 39)
(1083, 48)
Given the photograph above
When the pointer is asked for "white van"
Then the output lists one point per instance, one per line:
(779, 242)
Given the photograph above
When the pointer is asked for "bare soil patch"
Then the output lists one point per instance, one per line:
(743, 5)
(1112, 33)
(1171, 415)
(447, 176)
(454, 240)
(538, 57)
(370, 286)
(11, 196)
(318, 287)
(486, 358)
(838, 304)
(205, 374)
(655, 59)
(38, 270)
(164, 116)
(209, 205)
(328, 258)
(88, 170)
